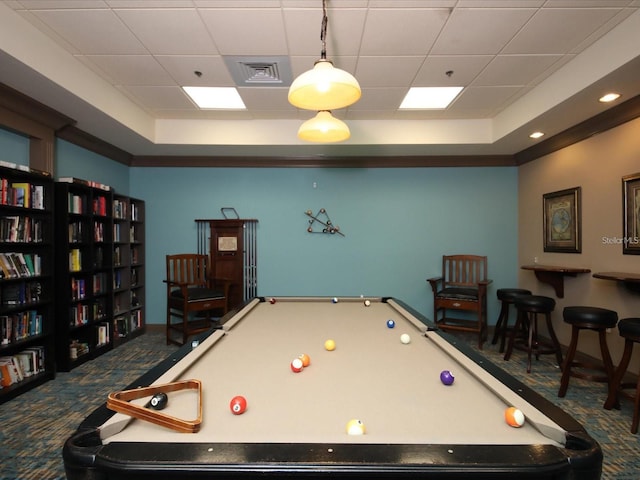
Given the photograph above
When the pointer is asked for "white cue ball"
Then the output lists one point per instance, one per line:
(405, 338)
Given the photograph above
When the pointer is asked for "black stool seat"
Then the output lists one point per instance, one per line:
(529, 307)
(590, 317)
(629, 329)
(507, 296)
(587, 318)
(510, 294)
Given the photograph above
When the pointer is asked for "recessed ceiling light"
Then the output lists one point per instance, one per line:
(429, 97)
(535, 135)
(220, 98)
(609, 97)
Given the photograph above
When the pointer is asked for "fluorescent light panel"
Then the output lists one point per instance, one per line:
(424, 98)
(215, 98)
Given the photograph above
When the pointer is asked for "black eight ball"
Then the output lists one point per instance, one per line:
(159, 401)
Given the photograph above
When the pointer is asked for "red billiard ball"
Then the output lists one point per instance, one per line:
(238, 405)
(297, 365)
(272, 301)
(447, 377)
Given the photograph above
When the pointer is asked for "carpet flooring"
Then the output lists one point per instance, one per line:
(34, 426)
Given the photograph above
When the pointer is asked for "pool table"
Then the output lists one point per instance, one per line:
(295, 423)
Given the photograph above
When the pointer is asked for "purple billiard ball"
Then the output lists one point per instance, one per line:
(391, 323)
(446, 377)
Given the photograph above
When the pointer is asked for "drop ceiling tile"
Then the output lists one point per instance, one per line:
(92, 31)
(182, 67)
(515, 69)
(402, 31)
(246, 32)
(485, 99)
(344, 31)
(558, 30)
(156, 98)
(480, 30)
(464, 69)
(132, 69)
(387, 71)
(266, 98)
(169, 31)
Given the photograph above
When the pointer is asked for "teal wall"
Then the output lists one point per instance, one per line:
(397, 222)
(74, 161)
(14, 148)
(397, 225)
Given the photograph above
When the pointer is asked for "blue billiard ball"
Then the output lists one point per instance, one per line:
(447, 377)
(391, 323)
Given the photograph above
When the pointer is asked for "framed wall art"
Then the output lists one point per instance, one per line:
(562, 225)
(631, 212)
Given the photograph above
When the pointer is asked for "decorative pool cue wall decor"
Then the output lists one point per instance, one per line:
(327, 226)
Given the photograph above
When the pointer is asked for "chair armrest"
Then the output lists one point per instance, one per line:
(434, 281)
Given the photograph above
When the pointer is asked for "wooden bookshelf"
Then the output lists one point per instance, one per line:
(27, 345)
(128, 268)
(84, 272)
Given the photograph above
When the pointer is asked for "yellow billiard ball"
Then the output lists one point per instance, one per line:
(330, 345)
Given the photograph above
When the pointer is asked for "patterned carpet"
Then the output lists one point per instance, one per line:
(34, 426)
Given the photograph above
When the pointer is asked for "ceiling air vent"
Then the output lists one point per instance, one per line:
(260, 71)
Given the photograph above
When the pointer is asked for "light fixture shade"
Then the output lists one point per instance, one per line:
(324, 87)
(324, 128)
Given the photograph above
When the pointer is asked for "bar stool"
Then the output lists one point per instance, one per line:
(629, 329)
(587, 318)
(529, 307)
(507, 296)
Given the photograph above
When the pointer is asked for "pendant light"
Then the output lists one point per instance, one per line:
(324, 87)
(324, 128)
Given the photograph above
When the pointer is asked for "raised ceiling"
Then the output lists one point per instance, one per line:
(116, 67)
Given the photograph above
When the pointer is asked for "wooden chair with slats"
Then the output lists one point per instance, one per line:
(461, 288)
(192, 296)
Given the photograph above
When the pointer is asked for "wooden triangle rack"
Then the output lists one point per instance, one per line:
(120, 402)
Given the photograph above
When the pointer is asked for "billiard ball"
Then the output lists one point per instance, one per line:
(355, 427)
(297, 365)
(272, 301)
(391, 323)
(405, 338)
(447, 377)
(367, 303)
(330, 345)
(514, 417)
(306, 360)
(159, 401)
(334, 299)
(238, 405)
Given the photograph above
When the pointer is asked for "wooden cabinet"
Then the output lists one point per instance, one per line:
(84, 272)
(232, 248)
(27, 346)
(128, 268)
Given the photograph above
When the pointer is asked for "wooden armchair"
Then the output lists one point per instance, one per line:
(463, 288)
(192, 296)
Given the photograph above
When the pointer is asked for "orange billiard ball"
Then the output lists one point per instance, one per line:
(514, 417)
(306, 360)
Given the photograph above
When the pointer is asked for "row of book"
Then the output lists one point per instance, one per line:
(21, 194)
(88, 183)
(22, 293)
(20, 265)
(20, 228)
(20, 326)
(76, 203)
(119, 209)
(126, 324)
(16, 368)
(83, 313)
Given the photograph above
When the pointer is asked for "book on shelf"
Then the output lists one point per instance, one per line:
(75, 260)
(21, 194)
(103, 334)
(76, 203)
